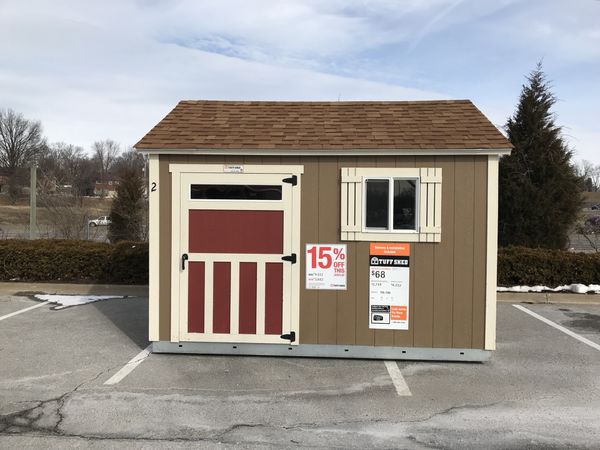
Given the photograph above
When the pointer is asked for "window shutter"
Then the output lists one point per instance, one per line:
(429, 198)
(430, 205)
(351, 204)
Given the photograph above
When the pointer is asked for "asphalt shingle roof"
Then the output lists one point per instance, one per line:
(414, 125)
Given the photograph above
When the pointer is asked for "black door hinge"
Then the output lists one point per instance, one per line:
(291, 258)
(290, 337)
(293, 180)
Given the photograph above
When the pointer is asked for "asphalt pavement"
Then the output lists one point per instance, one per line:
(541, 388)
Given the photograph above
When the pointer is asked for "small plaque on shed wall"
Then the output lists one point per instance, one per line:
(233, 168)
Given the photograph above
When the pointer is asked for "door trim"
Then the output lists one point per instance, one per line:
(248, 168)
(177, 170)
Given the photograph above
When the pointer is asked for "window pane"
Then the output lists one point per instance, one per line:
(405, 201)
(377, 203)
(235, 192)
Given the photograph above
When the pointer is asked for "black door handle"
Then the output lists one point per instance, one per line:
(184, 258)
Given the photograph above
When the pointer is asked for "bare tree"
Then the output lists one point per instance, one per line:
(590, 231)
(21, 142)
(130, 159)
(590, 175)
(60, 165)
(66, 219)
(105, 155)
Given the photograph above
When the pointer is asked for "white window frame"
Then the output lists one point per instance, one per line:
(226, 200)
(390, 228)
(353, 204)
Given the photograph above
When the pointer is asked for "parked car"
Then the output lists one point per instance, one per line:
(596, 206)
(100, 221)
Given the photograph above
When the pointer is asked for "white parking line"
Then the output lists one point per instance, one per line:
(128, 368)
(559, 327)
(23, 310)
(397, 378)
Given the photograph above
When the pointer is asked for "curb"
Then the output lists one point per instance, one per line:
(548, 297)
(14, 288)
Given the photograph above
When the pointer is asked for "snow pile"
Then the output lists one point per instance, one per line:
(575, 288)
(64, 301)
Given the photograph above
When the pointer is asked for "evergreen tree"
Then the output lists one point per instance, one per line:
(127, 209)
(540, 192)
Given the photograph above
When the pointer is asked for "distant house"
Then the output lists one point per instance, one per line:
(4, 179)
(106, 189)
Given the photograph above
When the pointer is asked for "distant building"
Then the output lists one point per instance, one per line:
(106, 189)
(3, 182)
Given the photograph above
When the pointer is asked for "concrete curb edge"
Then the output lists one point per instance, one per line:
(548, 297)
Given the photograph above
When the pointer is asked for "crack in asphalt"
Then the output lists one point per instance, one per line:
(25, 421)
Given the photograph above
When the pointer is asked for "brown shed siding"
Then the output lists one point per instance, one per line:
(447, 279)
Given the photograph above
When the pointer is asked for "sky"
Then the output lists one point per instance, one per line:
(92, 70)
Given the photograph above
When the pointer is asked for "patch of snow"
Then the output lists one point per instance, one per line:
(575, 288)
(65, 301)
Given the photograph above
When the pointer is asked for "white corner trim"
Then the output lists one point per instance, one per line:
(175, 253)
(346, 152)
(492, 254)
(153, 248)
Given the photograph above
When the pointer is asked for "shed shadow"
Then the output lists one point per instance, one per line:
(129, 315)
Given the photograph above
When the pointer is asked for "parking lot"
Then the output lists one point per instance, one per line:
(540, 389)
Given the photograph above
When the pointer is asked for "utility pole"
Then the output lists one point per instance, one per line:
(32, 203)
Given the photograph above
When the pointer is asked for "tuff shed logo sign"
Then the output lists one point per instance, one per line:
(388, 285)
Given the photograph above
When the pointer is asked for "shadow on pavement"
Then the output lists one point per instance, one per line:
(130, 315)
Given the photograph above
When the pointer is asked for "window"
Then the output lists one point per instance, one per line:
(235, 192)
(391, 204)
(377, 205)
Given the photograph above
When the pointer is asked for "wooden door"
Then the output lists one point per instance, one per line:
(235, 271)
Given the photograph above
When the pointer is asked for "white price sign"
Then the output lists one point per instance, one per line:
(326, 266)
(389, 276)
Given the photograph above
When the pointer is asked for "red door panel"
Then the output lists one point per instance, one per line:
(273, 298)
(221, 297)
(196, 297)
(247, 323)
(235, 231)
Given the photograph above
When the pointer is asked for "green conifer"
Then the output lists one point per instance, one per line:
(540, 193)
(127, 209)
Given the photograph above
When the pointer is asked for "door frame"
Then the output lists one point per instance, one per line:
(177, 170)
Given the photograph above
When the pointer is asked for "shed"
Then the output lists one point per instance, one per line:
(334, 229)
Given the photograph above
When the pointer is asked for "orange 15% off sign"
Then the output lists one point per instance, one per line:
(326, 266)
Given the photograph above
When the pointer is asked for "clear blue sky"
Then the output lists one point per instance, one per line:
(111, 69)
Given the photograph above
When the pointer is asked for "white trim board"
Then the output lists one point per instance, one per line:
(248, 169)
(348, 152)
(491, 252)
(153, 247)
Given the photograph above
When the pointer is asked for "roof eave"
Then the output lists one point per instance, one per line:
(324, 152)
